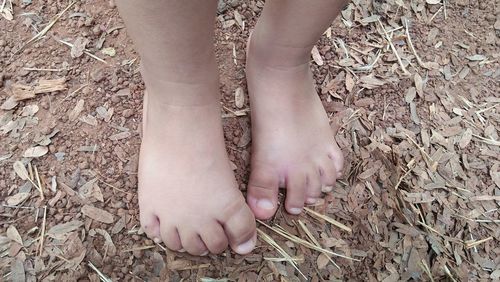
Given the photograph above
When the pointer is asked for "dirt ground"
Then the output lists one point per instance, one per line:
(413, 87)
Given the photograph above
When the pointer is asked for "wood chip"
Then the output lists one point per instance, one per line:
(73, 115)
(120, 136)
(14, 235)
(239, 97)
(97, 214)
(36, 152)
(17, 199)
(317, 56)
(21, 170)
(61, 229)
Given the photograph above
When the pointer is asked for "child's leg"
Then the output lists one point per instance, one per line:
(293, 144)
(188, 196)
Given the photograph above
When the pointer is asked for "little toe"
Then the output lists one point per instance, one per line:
(296, 183)
(192, 243)
(240, 229)
(338, 160)
(151, 225)
(328, 173)
(262, 196)
(214, 238)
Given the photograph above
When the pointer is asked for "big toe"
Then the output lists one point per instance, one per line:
(239, 227)
(262, 196)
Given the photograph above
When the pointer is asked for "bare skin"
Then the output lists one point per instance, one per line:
(293, 145)
(188, 196)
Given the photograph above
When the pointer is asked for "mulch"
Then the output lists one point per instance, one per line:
(412, 88)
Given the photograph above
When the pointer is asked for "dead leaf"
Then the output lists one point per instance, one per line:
(73, 115)
(108, 241)
(495, 174)
(322, 261)
(239, 19)
(97, 193)
(410, 95)
(79, 46)
(14, 235)
(477, 57)
(21, 170)
(17, 273)
(97, 214)
(61, 229)
(466, 138)
(119, 136)
(413, 113)
(9, 104)
(433, 2)
(370, 19)
(349, 82)
(317, 56)
(36, 152)
(85, 190)
(239, 97)
(17, 199)
(370, 82)
(419, 85)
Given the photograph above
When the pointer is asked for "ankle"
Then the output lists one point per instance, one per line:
(265, 49)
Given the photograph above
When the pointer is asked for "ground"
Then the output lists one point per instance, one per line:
(411, 86)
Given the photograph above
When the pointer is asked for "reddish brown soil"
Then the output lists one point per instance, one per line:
(420, 192)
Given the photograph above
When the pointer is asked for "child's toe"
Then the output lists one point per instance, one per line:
(239, 227)
(150, 225)
(170, 237)
(262, 190)
(214, 237)
(296, 183)
(192, 242)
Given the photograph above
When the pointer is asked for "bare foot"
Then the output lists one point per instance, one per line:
(188, 196)
(293, 145)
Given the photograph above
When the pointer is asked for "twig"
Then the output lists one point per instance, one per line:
(47, 28)
(40, 251)
(472, 243)
(328, 219)
(103, 277)
(447, 271)
(403, 68)
(42, 69)
(303, 242)
(84, 51)
(39, 183)
(426, 269)
(408, 38)
(280, 250)
(314, 241)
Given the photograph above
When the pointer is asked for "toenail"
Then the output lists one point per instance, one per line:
(312, 200)
(246, 247)
(265, 204)
(182, 250)
(205, 253)
(157, 240)
(295, 210)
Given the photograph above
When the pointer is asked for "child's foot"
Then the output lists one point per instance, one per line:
(188, 196)
(293, 145)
